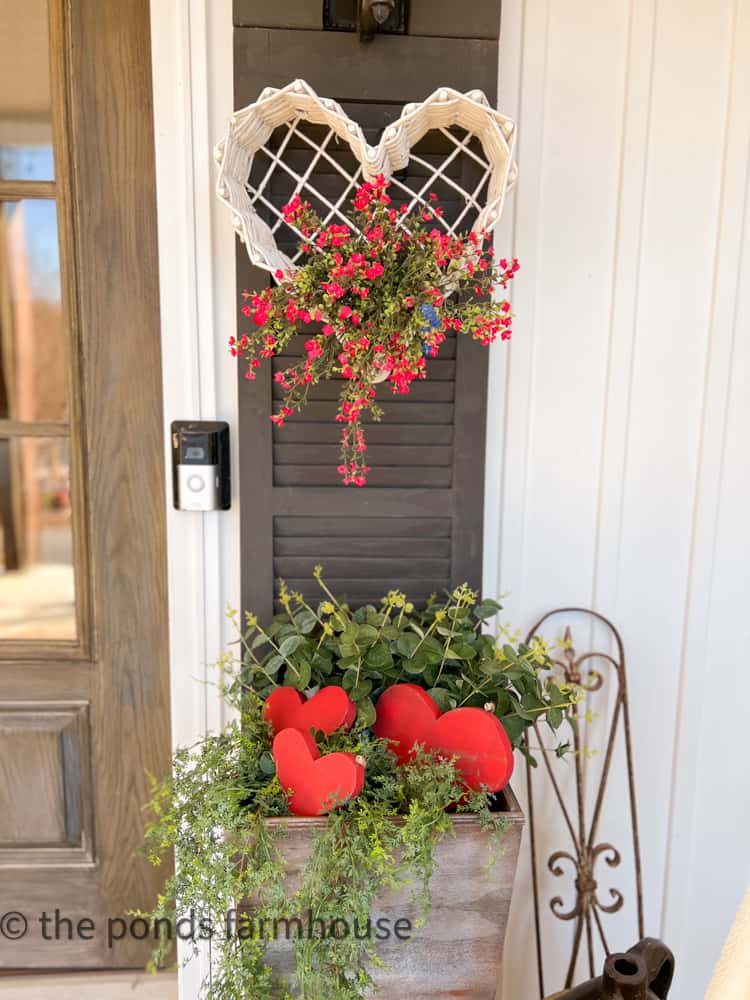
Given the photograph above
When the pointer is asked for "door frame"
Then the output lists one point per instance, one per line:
(192, 93)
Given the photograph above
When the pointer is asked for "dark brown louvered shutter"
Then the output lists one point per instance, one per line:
(417, 525)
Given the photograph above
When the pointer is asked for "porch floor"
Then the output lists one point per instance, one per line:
(89, 986)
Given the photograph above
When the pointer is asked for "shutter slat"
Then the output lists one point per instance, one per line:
(328, 455)
(322, 528)
(296, 346)
(354, 503)
(427, 391)
(399, 410)
(338, 568)
(385, 476)
(355, 600)
(296, 431)
(438, 370)
(369, 587)
(312, 546)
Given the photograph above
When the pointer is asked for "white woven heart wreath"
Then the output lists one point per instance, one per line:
(278, 146)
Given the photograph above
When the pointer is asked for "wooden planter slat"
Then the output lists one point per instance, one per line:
(458, 951)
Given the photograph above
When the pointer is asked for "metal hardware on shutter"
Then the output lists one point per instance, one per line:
(366, 16)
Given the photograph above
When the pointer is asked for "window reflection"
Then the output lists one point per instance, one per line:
(32, 361)
(37, 593)
(25, 105)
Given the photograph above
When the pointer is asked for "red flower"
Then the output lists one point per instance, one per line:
(378, 322)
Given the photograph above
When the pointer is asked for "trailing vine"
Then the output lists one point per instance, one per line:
(221, 810)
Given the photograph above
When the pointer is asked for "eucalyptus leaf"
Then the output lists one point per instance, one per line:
(349, 679)
(366, 714)
(514, 727)
(291, 644)
(487, 609)
(305, 621)
(441, 698)
(378, 656)
(303, 676)
(406, 644)
(416, 664)
(272, 665)
(360, 691)
(463, 651)
(433, 650)
(554, 717)
(366, 635)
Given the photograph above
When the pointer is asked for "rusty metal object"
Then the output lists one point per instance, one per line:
(642, 973)
(586, 851)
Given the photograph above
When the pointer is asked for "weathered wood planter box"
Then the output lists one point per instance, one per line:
(458, 951)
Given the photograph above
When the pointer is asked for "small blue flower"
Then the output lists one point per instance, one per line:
(430, 314)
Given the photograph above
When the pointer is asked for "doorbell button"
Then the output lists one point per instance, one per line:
(196, 483)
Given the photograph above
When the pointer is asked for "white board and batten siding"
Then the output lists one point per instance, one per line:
(619, 462)
(618, 470)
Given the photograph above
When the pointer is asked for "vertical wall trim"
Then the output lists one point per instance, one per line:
(192, 78)
(527, 43)
(508, 101)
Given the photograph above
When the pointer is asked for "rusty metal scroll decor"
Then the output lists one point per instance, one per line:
(595, 672)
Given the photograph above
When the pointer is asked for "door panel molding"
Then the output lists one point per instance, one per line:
(59, 729)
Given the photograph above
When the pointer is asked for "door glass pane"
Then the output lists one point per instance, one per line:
(25, 105)
(37, 593)
(32, 359)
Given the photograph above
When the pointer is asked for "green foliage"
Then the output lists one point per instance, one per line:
(214, 812)
(443, 648)
(222, 810)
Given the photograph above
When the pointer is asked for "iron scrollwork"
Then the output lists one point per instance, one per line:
(587, 852)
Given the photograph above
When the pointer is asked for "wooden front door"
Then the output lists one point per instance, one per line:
(83, 613)
(417, 525)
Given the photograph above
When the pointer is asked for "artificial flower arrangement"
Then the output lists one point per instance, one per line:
(387, 290)
(389, 722)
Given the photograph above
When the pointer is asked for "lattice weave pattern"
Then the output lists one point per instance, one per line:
(292, 141)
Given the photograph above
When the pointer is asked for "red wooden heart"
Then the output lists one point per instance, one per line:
(328, 710)
(314, 784)
(407, 715)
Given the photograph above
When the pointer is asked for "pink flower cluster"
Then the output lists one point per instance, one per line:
(384, 293)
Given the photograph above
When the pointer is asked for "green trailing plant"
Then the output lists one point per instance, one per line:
(218, 810)
(442, 647)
